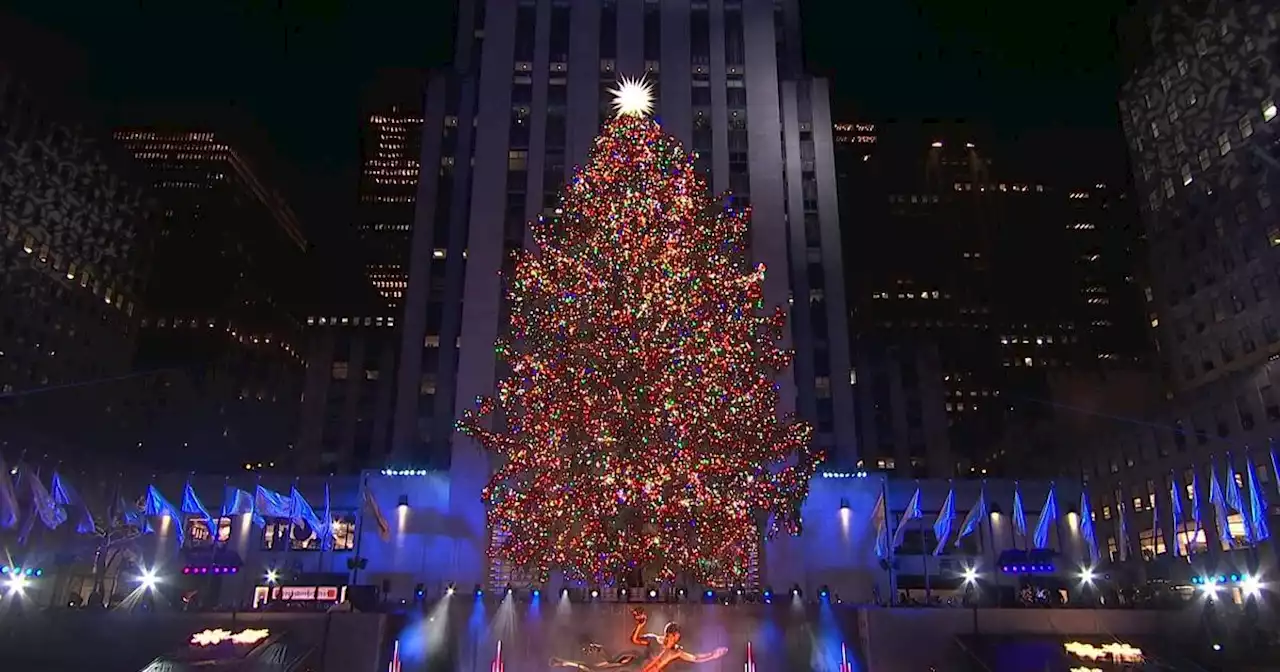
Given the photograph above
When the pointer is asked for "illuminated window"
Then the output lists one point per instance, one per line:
(1186, 175)
(344, 531)
(822, 387)
(339, 371)
(1246, 126)
(198, 531)
(1268, 110)
(1224, 144)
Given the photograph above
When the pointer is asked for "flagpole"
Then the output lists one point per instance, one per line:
(355, 568)
(924, 551)
(890, 560)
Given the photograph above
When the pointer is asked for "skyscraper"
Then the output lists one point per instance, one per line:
(74, 231)
(221, 298)
(1198, 106)
(993, 272)
(391, 141)
(522, 106)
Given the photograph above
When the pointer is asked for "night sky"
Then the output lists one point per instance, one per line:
(298, 66)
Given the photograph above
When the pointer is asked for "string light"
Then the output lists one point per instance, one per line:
(638, 426)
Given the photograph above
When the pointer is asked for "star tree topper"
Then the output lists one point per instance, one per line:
(632, 97)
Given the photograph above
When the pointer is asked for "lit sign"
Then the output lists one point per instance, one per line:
(218, 636)
(860, 134)
(1119, 651)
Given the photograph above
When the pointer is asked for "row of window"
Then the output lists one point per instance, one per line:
(278, 534)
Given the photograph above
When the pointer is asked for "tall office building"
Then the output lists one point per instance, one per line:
(220, 329)
(1199, 114)
(391, 142)
(980, 278)
(74, 233)
(522, 106)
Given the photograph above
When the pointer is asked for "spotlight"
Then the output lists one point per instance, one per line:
(768, 594)
(970, 575)
(653, 593)
(622, 594)
(1086, 575)
(564, 593)
(824, 592)
(449, 590)
(148, 579)
(709, 595)
(844, 504)
(479, 592)
(4, 570)
(1251, 586)
(595, 592)
(681, 592)
(796, 592)
(536, 593)
(509, 590)
(17, 583)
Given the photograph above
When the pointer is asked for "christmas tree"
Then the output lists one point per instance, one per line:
(638, 425)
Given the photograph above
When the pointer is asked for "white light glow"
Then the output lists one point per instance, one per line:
(970, 574)
(148, 579)
(217, 636)
(1251, 586)
(632, 97)
(1119, 651)
(272, 576)
(17, 583)
(1086, 575)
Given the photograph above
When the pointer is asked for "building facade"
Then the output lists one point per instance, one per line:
(1199, 117)
(348, 393)
(542, 71)
(1007, 273)
(390, 149)
(75, 228)
(221, 332)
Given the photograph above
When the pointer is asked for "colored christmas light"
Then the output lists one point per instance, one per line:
(638, 426)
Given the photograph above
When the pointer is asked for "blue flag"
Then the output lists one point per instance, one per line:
(1219, 508)
(942, 526)
(327, 543)
(1234, 501)
(1257, 506)
(912, 512)
(301, 512)
(879, 518)
(1019, 518)
(1048, 515)
(271, 504)
(67, 497)
(1175, 506)
(1086, 527)
(50, 512)
(157, 505)
(239, 502)
(976, 514)
(1195, 508)
(1124, 548)
(8, 499)
(191, 504)
(1275, 466)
